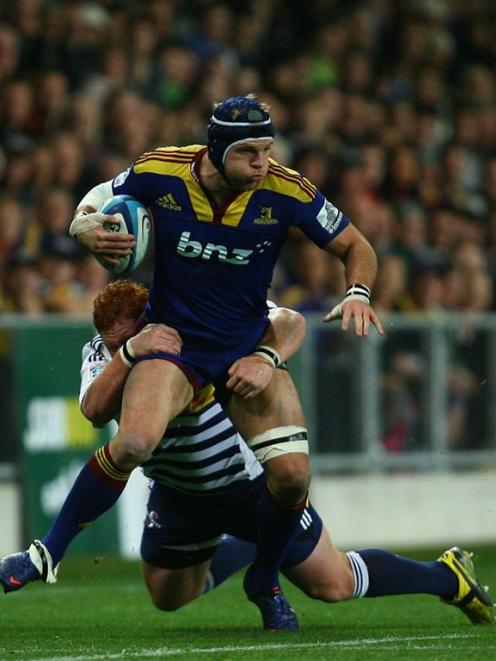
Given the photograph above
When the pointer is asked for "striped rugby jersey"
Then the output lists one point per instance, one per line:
(201, 451)
(214, 263)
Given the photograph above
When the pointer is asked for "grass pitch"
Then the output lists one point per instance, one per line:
(102, 611)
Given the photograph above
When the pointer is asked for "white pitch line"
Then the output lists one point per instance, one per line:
(359, 643)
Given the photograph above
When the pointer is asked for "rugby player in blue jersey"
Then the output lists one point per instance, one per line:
(206, 484)
(221, 215)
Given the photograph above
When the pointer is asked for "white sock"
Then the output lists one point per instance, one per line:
(360, 574)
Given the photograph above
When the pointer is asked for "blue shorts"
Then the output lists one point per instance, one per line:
(197, 377)
(182, 530)
(203, 365)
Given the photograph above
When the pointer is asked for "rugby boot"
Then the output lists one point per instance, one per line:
(277, 614)
(472, 598)
(35, 564)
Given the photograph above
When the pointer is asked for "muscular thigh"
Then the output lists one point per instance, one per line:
(276, 406)
(155, 392)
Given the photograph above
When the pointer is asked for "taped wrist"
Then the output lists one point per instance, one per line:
(83, 222)
(127, 354)
(269, 354)
(357, 292)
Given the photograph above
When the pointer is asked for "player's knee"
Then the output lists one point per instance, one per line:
(167, 602)
(289, 480)
(132, 449)
(336, 586)
(331, 593)
(284, 453)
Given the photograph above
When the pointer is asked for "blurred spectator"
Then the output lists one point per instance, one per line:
(22, 283)
(176, 75)
(18, 115)
(311, 271)
(49, 218)
(11, 227)
(92, 277)
(426, 291)
(58, 258)
(52, 97)
(391, 284)
(10, 45)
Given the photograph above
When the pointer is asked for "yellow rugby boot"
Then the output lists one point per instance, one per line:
(472, 598)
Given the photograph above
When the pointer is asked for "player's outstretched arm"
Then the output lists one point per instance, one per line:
(285, 333)
(87, 227)
(360, 264)
(102, 400)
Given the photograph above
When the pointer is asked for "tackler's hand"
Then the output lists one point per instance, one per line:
(249, 375)
(154, 338)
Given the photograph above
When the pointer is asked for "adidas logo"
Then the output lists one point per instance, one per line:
(168, 202)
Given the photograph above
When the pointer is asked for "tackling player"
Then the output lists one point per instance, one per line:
(206, 484)
(221, 215)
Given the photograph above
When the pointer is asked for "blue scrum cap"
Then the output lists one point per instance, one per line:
(237, 119)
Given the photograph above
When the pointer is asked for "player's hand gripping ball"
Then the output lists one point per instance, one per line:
(130, 217)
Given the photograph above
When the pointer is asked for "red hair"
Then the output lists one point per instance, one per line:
(118, 298)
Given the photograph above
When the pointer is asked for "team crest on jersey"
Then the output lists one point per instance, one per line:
(152, 520)
(168, 202)
(329, 217)
(265, 217)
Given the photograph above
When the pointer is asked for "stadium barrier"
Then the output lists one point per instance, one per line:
(394, 422)
(421, 398)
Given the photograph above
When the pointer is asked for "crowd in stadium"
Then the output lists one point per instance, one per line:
(389, 108)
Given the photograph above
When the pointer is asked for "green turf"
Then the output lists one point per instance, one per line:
(101, 611)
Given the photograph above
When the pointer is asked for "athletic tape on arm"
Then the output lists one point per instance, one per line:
(84, 220)
(97, 195)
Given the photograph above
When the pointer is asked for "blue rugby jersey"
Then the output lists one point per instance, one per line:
(213, 265)
(201, 451)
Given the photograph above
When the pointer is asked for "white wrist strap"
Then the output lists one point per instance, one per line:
(355, 292)
(269, 354)
(127, 354)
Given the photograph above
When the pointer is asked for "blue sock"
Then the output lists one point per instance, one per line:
(379, 573)
(231, 555)
(276, 527)
(96, 489)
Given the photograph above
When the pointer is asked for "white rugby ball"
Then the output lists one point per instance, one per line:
(130, 217)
